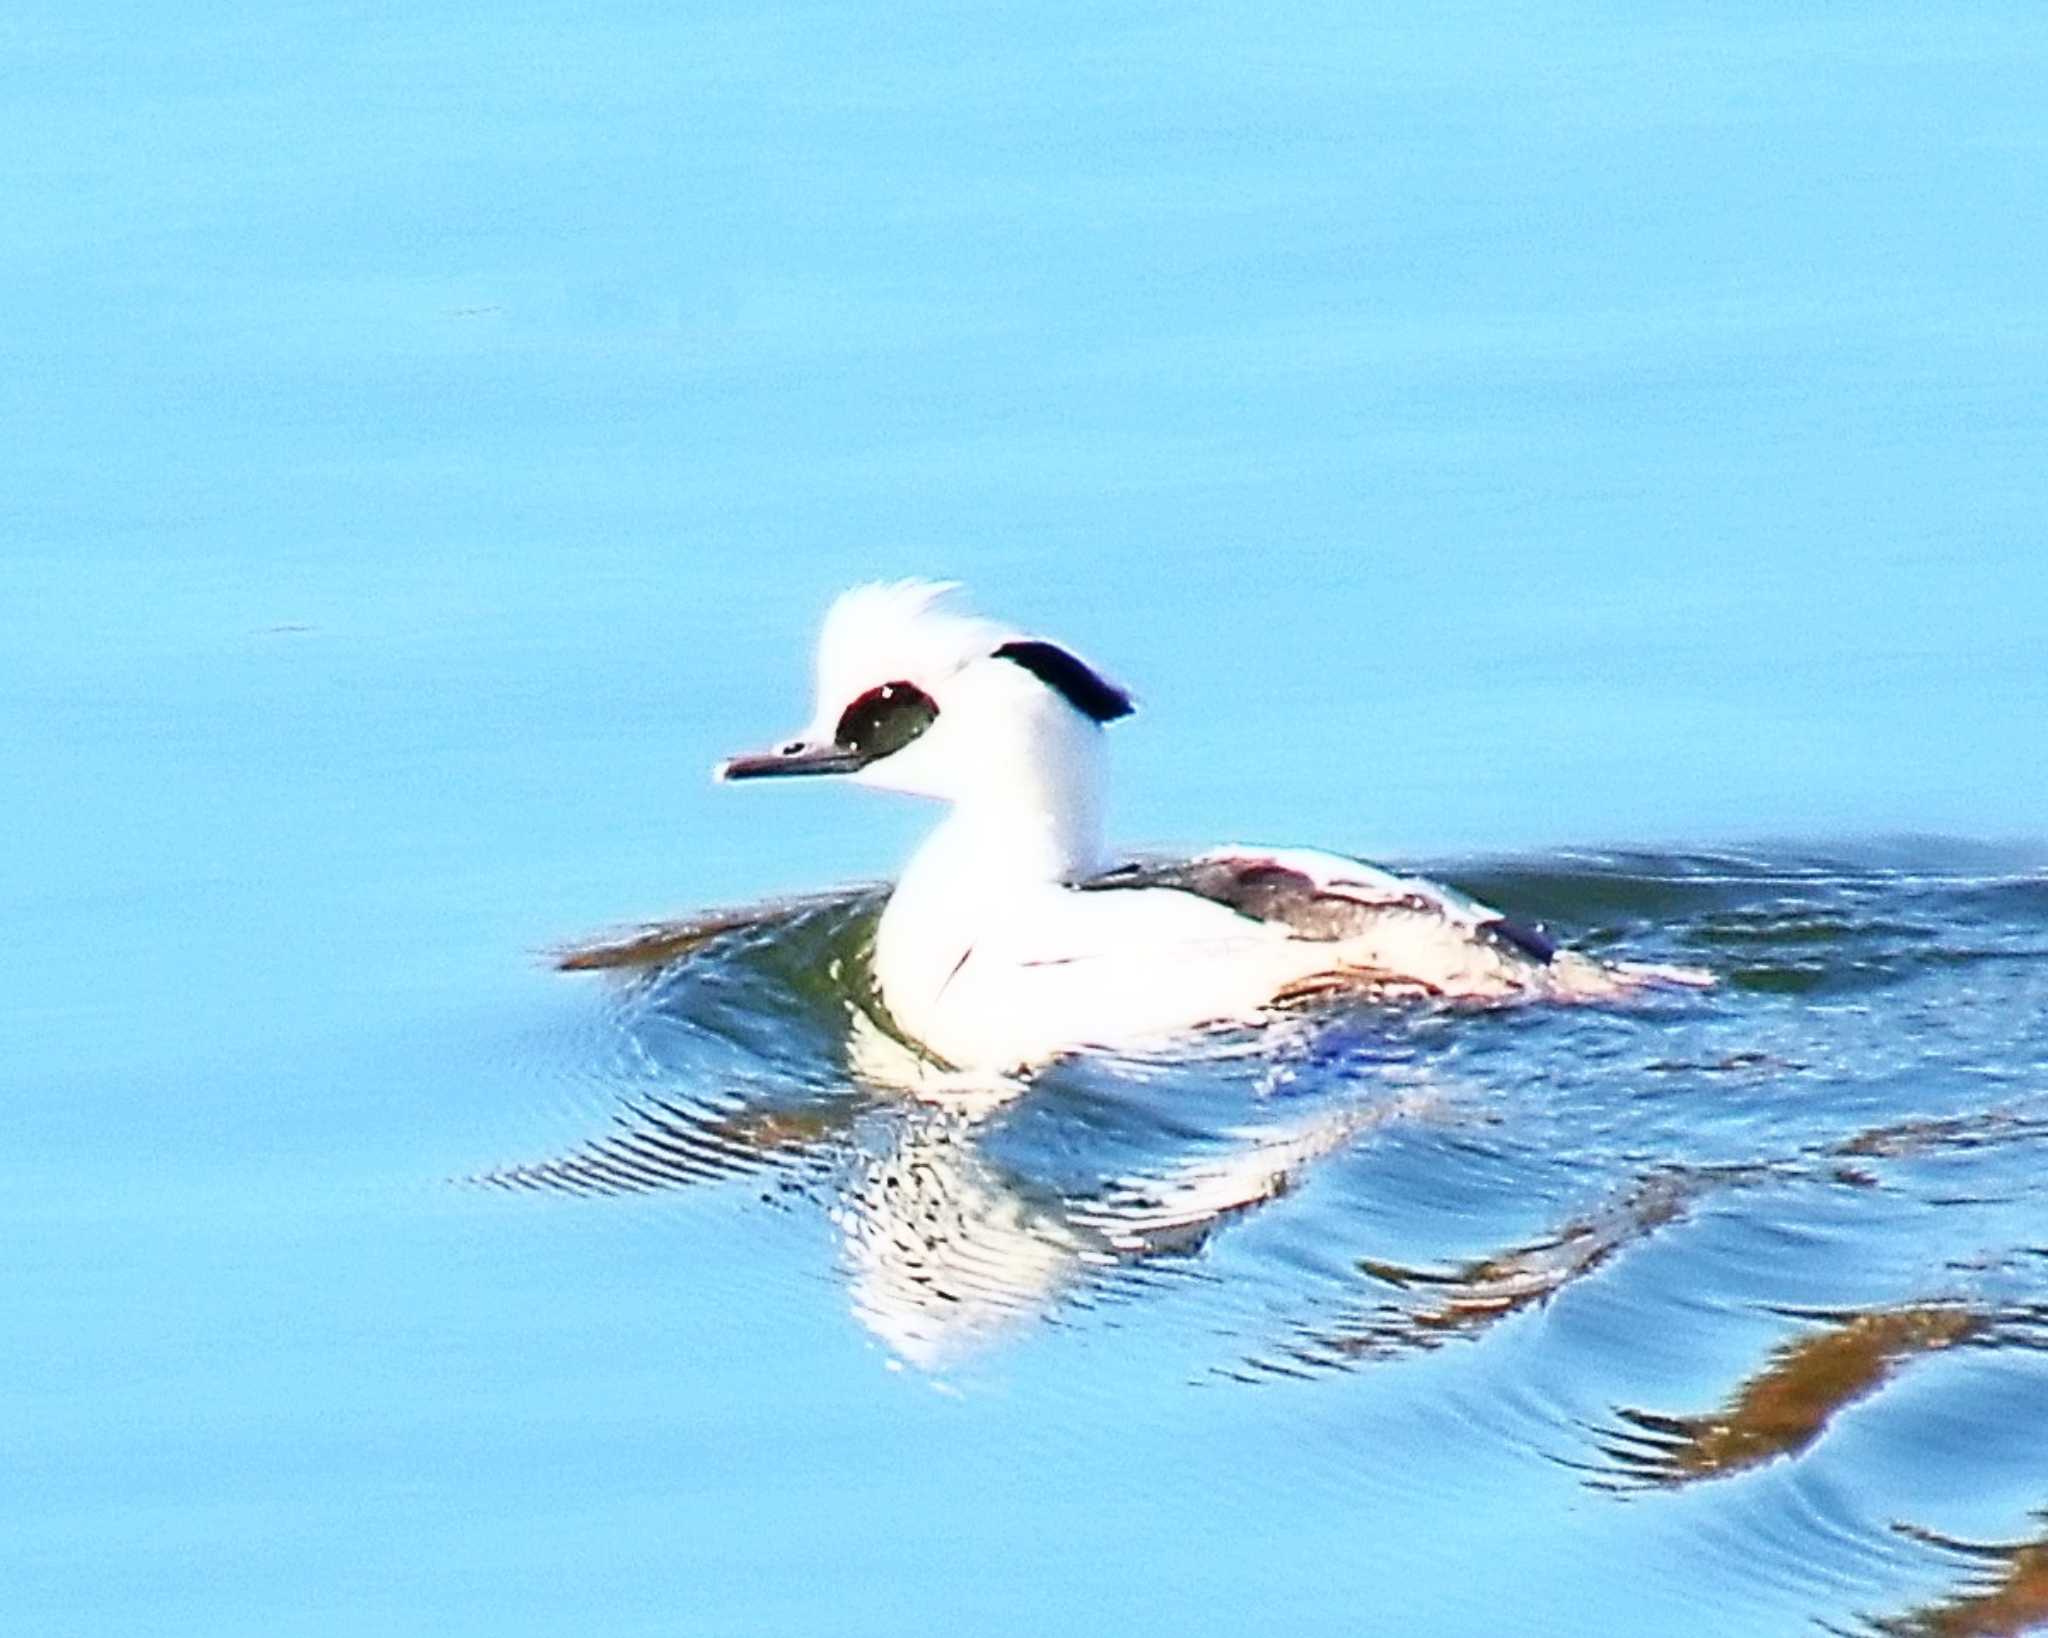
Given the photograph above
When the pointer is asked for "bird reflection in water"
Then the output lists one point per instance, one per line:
(945, 1241)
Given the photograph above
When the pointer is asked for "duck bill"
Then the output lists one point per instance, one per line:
(800, 758)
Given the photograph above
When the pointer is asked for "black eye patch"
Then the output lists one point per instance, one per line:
(884, 720)
(1075, 681)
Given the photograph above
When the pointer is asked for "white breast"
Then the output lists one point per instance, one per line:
(1042, 968)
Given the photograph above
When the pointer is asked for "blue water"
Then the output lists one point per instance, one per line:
(1595, 458)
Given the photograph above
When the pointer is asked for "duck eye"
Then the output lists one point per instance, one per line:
(885, 719)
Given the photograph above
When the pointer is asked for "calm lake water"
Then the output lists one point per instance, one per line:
(1597, 462)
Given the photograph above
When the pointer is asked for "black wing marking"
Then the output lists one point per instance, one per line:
(1264, 890)
(1532, 942)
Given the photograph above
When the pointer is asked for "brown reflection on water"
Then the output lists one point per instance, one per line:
(2007, 1593)
(1788, 1403)
(1489, 1289)
(1434, 1306)
(1983, 1129)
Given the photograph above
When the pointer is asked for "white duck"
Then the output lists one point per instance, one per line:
(1009, 940)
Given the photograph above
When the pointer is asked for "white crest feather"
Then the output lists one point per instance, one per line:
(900, 631)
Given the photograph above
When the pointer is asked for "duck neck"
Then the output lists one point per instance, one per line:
(1005, 841)
(1040, 823)
(993, 848)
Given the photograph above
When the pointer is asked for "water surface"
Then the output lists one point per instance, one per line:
(1561, 457)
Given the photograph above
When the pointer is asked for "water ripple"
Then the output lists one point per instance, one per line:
(1698, 1252)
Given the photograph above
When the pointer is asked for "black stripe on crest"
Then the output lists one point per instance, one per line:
(1079, 684)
